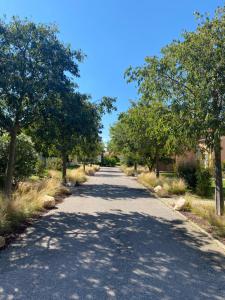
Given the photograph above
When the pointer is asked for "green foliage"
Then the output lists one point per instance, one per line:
(204, 180)
(88, 148)
(127, 161)
(40, 167)
(146, 134)
(34, 65)
(187, 171)
(109, 161)
(26, 158)
(189, 77)
(54, 163)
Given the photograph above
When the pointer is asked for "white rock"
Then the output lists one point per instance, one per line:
(48, 201)
(158, 188)
(180, 204)
(2, 242)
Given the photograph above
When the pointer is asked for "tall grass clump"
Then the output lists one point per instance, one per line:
(96, 168)
(176, 186)
(149, 179)
(90, 170)
(76, 176)
(129, 171)
(54, 174)
(206, 210)
(4, 222)
(27, 201)
(169, 186)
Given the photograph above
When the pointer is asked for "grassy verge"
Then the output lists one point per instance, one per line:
(75, 176)
(202, 212)
(26, 202)
(163, 186)
(130, 171)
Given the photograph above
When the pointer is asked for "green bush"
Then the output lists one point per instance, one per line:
(26, 156)
(109, 161)
(40, 167)
(204, 177)
(187, 171)
(54, 163)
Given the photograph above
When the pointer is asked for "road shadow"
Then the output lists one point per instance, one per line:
(110, 256)
(112, 192)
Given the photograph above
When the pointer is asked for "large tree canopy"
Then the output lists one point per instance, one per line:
(148, 133)
(34, 64)
(190, 75)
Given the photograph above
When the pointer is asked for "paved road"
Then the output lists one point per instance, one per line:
(112, 240)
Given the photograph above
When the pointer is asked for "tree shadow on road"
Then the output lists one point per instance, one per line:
(110, 255)
(113, 192)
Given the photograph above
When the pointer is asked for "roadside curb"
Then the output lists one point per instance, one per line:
(216, 241)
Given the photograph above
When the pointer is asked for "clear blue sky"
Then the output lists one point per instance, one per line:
(114, 34)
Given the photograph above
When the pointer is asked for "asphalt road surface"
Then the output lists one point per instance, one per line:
(112, 240)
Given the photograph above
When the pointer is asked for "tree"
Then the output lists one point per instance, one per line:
(26, 157)
(151, 131)
(123, 141)
(33, 65)
(191, 75)
(61, 125)
(68, 122)
(88, 148)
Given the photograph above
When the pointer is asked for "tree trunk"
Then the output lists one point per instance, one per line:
(64, 160)
(157, 166)
(135, 167)
(84, 165)
(10, 163)
(150, 166)
(218, 179)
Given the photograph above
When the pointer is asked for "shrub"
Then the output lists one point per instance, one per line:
(206, 210)
(187, 171)
(96, 168)
(4, 222)
(169, 186)
(26, 202)
(129, 171)
(26, 156)
(218, 224)
(108, 161)
(149, 179)
(176, 186)
(203, 187)
(76, 176)
(54, 163)
(164, 191)
(90, 171)
(54, 174)
(40, 167)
